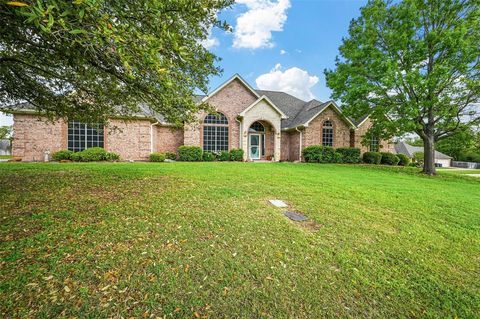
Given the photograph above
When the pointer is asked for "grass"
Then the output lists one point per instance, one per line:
(199, 240)
(5, 156)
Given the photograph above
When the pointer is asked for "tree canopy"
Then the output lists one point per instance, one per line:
(91, 59)
(414, 66)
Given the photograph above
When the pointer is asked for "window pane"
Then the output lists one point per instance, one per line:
(82, 136)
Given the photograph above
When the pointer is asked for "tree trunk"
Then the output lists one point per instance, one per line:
(429, 156)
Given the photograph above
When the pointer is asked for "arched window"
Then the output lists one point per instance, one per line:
(215, 133)
(256, 127)
(374, 144)
(327, 134)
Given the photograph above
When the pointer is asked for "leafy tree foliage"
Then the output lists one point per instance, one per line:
(415, 62)
(5, 132)
(90, 59)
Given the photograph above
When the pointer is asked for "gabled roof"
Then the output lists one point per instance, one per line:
(409, 150)
(233, 78)
(266, 99)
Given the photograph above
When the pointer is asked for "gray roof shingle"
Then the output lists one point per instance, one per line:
(409, 150)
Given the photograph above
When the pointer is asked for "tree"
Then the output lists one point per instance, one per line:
(458, 143)
(5, 132)
(415, 62)
(90, 59)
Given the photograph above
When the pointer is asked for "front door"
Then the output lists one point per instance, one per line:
(254, 146)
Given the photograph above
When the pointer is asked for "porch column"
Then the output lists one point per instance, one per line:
(277, 146)
(244, 146)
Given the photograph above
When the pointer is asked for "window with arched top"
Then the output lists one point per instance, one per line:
(257, 127)
(215, 133)
(327, 134)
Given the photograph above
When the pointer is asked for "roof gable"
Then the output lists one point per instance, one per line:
(269, 102)
(335, 108)
(236, 77)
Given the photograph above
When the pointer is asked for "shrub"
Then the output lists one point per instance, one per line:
(350, 155)
(93, 154)
(372, 158)
(418, 158)
(337, 158)
(171, 156)
(404, 160)
(111, 156)
(157, 157)
(236, 155)
(470, 156)
(224, 156)
(389, 159)
(190, 153)
(208, 156)
(318, 154)
(62, 155)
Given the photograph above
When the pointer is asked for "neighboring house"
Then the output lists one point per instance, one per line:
(441, 159)
(267, 125)
(5, 147)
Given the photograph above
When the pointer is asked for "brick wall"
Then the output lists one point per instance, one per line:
(130, 139)
(33, 136)
(168, 139)
(385, 146)
(231, 101)
(294, 146)
(312, 135)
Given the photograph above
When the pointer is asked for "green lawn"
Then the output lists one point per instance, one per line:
(5, 156)
(200, 240)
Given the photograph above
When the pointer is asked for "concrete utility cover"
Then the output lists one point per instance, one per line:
(296, 216)
(278, 203)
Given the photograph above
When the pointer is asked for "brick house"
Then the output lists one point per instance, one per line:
(267, 125)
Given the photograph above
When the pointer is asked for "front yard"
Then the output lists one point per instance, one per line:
(200, 240)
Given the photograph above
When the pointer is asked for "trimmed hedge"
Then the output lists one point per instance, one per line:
(190, 153)
(350, 155)
(319, 154)
(94, 154)
(224, 156)
(62, 155)
(111, 157)
(404, 160)
(372, 158)
(236, 155)
(208, 157)
(157, 157)
(389, 159)
(171, 156)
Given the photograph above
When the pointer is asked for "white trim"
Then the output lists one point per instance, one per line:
(335, 107)
(264, 97)
(364, 120)
(233, 78)
(259, 146)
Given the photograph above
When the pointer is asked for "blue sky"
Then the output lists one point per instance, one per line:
(280, 44)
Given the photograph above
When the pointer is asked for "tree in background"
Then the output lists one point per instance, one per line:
(415, 62)
(5, 132)
(90, 59)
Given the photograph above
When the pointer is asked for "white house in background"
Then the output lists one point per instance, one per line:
(441, 159)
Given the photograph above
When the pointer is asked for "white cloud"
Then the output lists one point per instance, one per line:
(282, 52)
(254, 28)
(294, 81)
(210, 41)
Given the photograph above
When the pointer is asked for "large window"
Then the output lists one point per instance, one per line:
(215, 133)
(82, 136)
(374, 144)
(327, 134)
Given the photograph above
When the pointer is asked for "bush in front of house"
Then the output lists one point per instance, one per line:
(389, 159)
(62, 155)
(224, 156)
(190, 153)
(404, 160)
(171, 156)
(372, 158)
(112, 157)
(319, 154)
(208, 157)
(350, 155)
(236, 155)
(157, 157)
(93, 154)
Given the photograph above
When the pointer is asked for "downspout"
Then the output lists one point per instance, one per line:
(151, 136)
(300, 144)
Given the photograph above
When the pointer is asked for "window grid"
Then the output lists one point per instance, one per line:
(374, 144)
(82, 136)
(215, 133)
(327, 134)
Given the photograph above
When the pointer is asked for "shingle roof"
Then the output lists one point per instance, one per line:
(409, 150)
(289, 104)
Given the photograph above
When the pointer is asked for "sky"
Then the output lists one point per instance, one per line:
(280, 45)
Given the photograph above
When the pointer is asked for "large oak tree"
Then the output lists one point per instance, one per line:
(90, 59)
(414, 66)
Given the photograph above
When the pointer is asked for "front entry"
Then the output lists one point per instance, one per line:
(254, 146)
